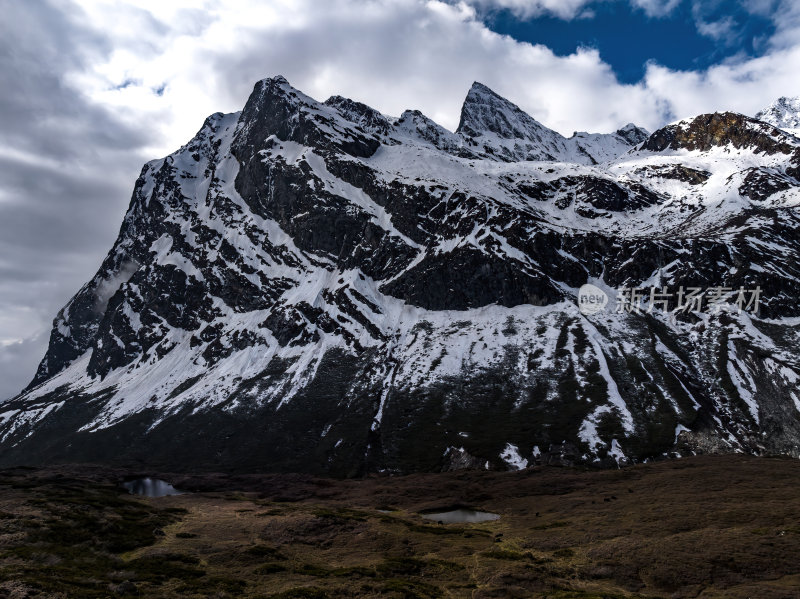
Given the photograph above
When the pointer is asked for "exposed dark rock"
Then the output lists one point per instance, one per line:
(717, 130)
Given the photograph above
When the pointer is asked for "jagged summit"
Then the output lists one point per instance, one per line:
(498, 129)
(360, 114)
(315, 286)
(486, 112)
(503, 130)
(784, 113)
(633, 134)
(276, 80)
(491, 127)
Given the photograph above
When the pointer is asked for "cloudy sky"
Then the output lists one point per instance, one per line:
(92, 89)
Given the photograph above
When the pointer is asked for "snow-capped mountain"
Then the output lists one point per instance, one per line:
(783, 113)
(494, 128)
(317, 287)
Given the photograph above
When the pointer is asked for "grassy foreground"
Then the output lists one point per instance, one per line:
(700, 527)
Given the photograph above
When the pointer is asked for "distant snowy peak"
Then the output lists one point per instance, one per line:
(276, 108)
(633, 134)
(491, 128)
(485, 112)
(414, 124)
(498, 129)
(502, 130)
(363, 116)
(594, 148)
(783, 113)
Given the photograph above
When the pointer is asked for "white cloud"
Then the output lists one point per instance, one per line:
(656, 8)
(723, 30)
(571, 9)
(526, 9)
(392, 55)
(760, 7)
(742, 86)
(785, 15)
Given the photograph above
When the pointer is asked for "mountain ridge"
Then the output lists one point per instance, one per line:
(315, 286)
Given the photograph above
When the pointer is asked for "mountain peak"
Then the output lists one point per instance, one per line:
(477, 89)
(275, 80)
(485, 111)
(783, 113)
(633, 134)
(499, 129)
(278, 87)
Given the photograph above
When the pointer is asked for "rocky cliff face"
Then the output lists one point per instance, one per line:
(318, 287)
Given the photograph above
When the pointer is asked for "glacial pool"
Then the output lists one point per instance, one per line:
(150, 487)
(460, 516)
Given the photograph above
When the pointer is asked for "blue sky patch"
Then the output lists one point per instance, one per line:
(627, 38)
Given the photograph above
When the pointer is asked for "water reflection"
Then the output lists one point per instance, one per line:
(150, 487)
(461, 515)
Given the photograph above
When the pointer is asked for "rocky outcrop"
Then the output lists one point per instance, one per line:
(708, 131)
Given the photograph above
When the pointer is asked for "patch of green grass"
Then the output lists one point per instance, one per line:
(208, 585)
(586, 595)
(180, 511)
(436, 530)
(410, 566)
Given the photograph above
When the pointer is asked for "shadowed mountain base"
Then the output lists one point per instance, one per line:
(722, 526)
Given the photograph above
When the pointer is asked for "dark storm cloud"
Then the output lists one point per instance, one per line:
(39, 111)
(67, 167)
(55, 210)
(25, 352)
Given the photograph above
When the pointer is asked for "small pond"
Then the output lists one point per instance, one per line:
(150, 487)
(461, 515)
